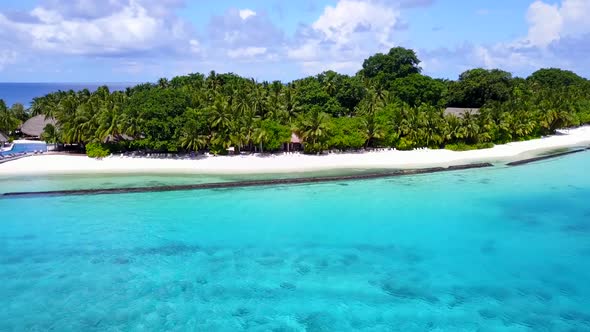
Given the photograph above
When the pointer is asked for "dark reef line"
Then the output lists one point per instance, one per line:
(243, 184)
(554, 155)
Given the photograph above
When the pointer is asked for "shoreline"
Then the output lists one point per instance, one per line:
(50, 164)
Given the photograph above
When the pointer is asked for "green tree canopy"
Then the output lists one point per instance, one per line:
(8, 121)
(385, 68)
(476, 87)
(416, 89)
(555, 78)
(19, 112)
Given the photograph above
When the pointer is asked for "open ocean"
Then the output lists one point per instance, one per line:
(497, 249)
(24, 93)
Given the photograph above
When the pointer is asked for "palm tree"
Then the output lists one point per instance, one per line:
(313, 129)
(330, 80)
(274, 99)
(553, 119)
(110, 118)
(48, 105)
(163, 83)
(75, 131)
(432, 121)
(257, 101)
(261, 136)
(221, 115)
(109, 126)
(51, 134)
(408, 122)
(222, 124)
(472, 129)
(8, 122)
(213, 82)
(290, 107)
(131, 123)
(368, 109)
(373, 130)
(372, 103)
(382, 96)
(241, 102)
(454, 132)
(66, 109)
(246, 132)
(192, 139)
(523, 124)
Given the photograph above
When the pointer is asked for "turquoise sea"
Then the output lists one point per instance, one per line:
(498, 249)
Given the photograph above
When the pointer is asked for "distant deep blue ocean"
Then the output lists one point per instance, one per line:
(498, 249)
(25, 92)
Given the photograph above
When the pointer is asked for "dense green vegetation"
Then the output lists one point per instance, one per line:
(97, 150)
(11, 118)
(389, 103)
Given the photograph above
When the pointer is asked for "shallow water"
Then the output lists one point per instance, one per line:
(99, 181)
(499, 249)
(36, 183)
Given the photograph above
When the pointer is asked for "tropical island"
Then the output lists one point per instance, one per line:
(388, 105)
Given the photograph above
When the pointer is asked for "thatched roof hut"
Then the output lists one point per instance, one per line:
(3, 138)
(459, 112)
(34, 126)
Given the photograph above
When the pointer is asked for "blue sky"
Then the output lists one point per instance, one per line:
(142, 40)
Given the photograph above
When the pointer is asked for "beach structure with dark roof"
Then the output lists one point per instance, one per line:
(34, 126)
(114, 139)
(459, 112)
(3, 138)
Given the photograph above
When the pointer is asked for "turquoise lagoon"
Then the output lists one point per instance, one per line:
(498, 249)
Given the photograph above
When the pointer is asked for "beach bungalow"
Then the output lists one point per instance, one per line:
(295, 144)
(34, 126)
(460, 112)
(118, 138)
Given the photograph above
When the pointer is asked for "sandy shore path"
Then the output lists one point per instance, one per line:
(292, 163)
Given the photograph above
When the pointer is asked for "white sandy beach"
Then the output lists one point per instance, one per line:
(292, 163)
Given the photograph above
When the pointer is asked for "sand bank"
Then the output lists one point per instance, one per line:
(292, 163)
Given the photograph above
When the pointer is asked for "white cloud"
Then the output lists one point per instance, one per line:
(46, 16)
(243, 28)
(339, 24)
(195, 46)
(556, 33)
(131, 67)
(344, 35)
(131, 29)
(314, 67)
(246, 13)
(309, 50)
(549, 23)
(7, 57)
(499, 56)
(575, 16)
(545, 23)
(246, 52)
